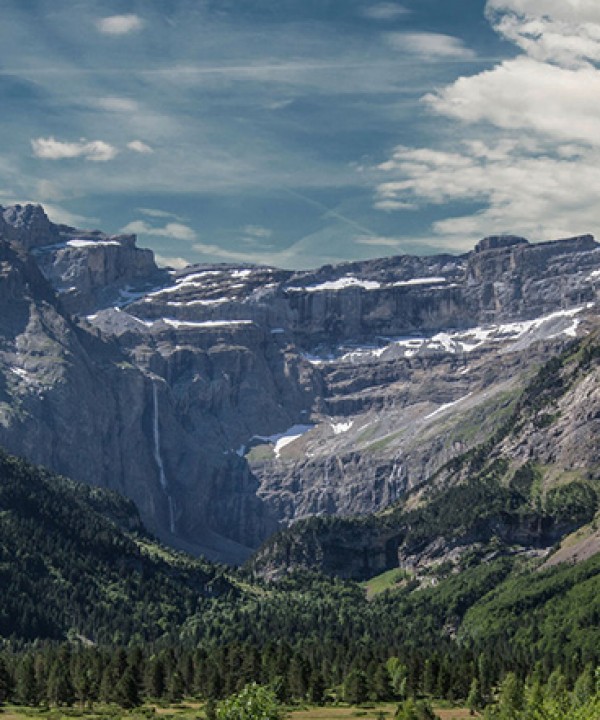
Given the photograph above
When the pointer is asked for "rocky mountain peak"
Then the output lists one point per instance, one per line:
(87, 268)
(497, 242)
(28, 225)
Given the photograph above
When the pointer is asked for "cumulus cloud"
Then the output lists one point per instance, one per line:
(173, 230)
(385, 11)
(94, 150)
(527, 94)
(119, 24)
(535, 194)
(529, 159)
(140, 147)
(432, 46)
(178, 263)
(562, 31)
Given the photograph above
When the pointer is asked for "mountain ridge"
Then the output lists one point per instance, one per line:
(251, 396)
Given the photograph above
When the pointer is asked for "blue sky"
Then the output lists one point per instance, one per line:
(302, 132)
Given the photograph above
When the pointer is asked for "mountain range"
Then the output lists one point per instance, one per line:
(229, 401)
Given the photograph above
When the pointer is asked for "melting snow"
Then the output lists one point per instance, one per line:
(241, 273)
(445, 406)
(204, 324)
(191, 303)
(20, 372)
(79, 243)
(466, 341)
(281, 440)
(339, 428)
(340, 284)
(420, 281)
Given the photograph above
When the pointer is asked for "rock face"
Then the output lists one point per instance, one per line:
(534, 480)
(226, 399)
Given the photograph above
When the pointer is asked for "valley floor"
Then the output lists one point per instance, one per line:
(194, 710)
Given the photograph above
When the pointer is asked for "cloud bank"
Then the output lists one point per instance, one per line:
(527, 148)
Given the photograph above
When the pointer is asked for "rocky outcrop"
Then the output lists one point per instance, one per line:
(227, 399)
(87, 268)
(534, 480)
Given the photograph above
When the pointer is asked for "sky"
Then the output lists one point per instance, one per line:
(297, 133)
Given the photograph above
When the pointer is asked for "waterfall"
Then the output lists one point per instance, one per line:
(159, 461)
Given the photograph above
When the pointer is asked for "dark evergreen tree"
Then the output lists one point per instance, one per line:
(6, 683)
(126, 692)
(356, 690)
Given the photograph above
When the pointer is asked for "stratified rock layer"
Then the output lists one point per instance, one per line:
(227, 399)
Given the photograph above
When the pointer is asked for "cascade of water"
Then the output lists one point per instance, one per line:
(171, 513)
(157, 456)
(159, 461)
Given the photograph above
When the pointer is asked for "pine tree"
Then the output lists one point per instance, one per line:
(126, 692)
(6, 683)
(155, 678)
(512, 698)
(474, 699)
(27, 688)
(584, 688)
(176, 687)
(59, 690)
(316, 688)
(355, 688)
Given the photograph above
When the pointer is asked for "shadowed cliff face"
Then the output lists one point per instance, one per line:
(224, 399)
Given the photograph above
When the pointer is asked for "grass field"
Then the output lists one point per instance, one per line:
(194, 710)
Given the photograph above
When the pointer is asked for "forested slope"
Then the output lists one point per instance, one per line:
(76, 559)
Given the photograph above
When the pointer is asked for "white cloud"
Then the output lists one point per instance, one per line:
(140, 147)
(385, 11)
(562, 31)
(527, 94)
(119, 24)
(432, 46)
(536, 195)
(118, 104)
(175, 262)
(173, 230)
(52, 149)
(529, 160)
(152, 212)
(574, 11)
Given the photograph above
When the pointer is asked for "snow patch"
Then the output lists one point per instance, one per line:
(204, 324)
(339, 428)
(192, 303)
(419, 281)
(281, 440)
(340, 284)
(446, 406)
(80, 243)
(561, 322)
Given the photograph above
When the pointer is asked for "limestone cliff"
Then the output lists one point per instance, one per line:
(228, 399)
